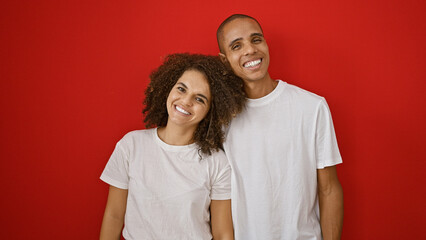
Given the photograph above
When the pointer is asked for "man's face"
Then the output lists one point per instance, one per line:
(245, 49)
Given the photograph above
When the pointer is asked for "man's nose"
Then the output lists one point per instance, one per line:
(250, 49)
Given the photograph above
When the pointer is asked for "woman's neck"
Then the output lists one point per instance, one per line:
(176, 135)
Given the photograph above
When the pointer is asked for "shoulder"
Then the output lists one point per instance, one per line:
(219, 158)
(139, 133)
(136, 136)
(300, 98)
(301, 94)
(220, 154)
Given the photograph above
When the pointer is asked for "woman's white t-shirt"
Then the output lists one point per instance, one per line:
(169, 187)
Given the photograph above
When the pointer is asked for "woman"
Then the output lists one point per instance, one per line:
(173, 181)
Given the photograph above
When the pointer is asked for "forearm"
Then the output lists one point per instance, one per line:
(221, 220)
(111, 228)
(224, 237)
(115, 210)
(331, 212)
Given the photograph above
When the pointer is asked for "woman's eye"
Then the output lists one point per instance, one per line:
(181, 89)
(199, 100)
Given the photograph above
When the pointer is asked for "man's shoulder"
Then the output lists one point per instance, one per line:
(299, 94)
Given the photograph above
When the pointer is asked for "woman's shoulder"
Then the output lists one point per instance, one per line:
(138, 133)
(219, 157)
(218, 153)
(137, 136)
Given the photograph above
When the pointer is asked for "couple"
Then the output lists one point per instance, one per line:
(174, 181)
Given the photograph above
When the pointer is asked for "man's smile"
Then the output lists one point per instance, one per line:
(252, 64)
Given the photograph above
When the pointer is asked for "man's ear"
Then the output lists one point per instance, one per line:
(223, 58)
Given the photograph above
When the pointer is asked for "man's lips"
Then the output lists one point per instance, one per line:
(253, 63)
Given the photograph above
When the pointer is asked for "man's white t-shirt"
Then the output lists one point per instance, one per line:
(169, 187)
(275, 147)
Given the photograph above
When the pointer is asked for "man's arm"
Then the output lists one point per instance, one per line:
(330, 196)
(221, 220)
(115, 210)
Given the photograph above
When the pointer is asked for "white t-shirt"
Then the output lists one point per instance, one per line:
(275, 147)
(169, 187)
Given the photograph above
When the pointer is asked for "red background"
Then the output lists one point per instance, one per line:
(73, 75)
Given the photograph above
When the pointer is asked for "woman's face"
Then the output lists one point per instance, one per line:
(189, 100)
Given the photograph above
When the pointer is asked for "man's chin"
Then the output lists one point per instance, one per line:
(255, 78)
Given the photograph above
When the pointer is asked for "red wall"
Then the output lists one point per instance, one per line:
(73, 75)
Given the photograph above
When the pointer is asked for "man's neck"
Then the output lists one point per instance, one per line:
(259, 88)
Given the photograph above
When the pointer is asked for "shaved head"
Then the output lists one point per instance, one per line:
(219, 32)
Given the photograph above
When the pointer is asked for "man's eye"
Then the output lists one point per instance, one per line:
(235, 47)
(257, 40)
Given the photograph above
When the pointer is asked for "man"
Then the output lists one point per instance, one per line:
(282, 148)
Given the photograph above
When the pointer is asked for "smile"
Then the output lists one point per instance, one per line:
(181, 110)
(253, 63)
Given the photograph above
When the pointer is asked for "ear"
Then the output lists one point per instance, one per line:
(223, 58)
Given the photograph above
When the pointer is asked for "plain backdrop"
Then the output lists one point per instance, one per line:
(73, 73)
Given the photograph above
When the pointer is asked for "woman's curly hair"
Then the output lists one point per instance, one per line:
(228, 97)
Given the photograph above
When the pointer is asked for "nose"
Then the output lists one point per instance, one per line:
(250, 49)
(187, 100)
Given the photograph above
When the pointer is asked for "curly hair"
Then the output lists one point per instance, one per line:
(228, 97)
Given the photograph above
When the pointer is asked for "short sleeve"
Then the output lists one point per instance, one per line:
(116, 172)
(326, 149)
(221, 179)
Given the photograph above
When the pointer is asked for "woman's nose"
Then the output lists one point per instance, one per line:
(187, 100)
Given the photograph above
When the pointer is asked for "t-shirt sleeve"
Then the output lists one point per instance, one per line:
(327, 151)
(221, 179)
(116, 172)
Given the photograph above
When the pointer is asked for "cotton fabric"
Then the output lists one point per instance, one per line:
(169, 187)
(275, 148)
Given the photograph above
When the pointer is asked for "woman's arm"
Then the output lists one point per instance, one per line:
(221, 220)
(113, 220)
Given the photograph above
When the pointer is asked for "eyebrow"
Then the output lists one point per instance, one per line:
(198, 94)
(251, 35)
(233, 41)
(256, 34)
(183, 84)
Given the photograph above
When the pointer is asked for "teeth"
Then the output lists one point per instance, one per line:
(252, 63)
(181, 110)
